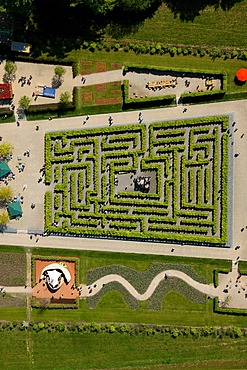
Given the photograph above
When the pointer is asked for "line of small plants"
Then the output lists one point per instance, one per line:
(45, 304)
(159, 48)
(125, 328)
(52, 108)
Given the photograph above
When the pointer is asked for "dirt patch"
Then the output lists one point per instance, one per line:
(100, 66)
(105, 101)
(87, 97)
(101, 87)
(116, 65)
(115, 83)
(87, 71)
(86, 63)
(40, 290)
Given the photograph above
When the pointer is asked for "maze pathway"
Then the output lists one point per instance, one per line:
(92, 174)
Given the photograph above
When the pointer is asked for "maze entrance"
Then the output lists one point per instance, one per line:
(93, 174)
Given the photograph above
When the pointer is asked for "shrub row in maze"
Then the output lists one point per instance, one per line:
(188, 161)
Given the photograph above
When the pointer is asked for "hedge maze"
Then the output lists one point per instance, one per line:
(92, 174)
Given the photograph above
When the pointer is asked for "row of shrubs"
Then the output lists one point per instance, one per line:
(157, 48)
(123, 328)
(51, 108)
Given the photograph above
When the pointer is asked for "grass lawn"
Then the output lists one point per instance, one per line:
(93, 66)
(113, 351)
(176, 308)
(212, 27)
(178, 61)
(102, 98)
(13, 313)
(87, 62)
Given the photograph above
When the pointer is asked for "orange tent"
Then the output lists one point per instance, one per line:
(242, 74)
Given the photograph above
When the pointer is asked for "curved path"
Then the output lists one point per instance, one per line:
(94, 288)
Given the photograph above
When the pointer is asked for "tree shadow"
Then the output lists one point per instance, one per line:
(122, 23)
(188, 10)
(237, 82)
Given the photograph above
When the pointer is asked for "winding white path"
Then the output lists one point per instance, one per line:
(94, 288)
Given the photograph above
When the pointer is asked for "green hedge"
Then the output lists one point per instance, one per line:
(124, 328)
(116, 150)
(52, 108)
(198, 97)
(159, 101)
(195, 97)
(227, 310)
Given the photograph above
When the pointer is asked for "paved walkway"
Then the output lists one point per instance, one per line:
(98, 284)
(99, 78)
(231, 288)
(29, 138)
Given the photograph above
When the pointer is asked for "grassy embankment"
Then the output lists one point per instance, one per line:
(22, 350)
(213, 27)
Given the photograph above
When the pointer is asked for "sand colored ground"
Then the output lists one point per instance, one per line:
(40, 290)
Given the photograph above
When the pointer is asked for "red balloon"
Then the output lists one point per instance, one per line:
(242, 74)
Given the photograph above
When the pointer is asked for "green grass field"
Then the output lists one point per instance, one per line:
(66, 351)
(212, 27)
(176, 308)
(178, 61)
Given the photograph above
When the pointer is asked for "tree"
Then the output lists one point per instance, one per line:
(96, 6)
(24, 102)
(4, 218)
(64, 98)
(6, 149)
(57, 79)
(10, 69)
(6, 194)
(59, 71)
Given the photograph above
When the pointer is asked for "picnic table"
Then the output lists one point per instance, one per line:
(209, 82)
(159, 84)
